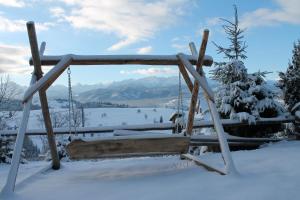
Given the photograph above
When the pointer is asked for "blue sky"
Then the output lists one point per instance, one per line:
(143, 27)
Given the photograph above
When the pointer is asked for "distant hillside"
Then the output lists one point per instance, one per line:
(144, 92)
(150, 91)
(16, 105)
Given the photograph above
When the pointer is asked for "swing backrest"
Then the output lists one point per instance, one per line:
(128, 146)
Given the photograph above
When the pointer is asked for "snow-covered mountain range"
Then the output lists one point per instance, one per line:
(149, 91)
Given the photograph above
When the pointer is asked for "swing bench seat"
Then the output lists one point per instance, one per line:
(138, 145)
(132, 144)
(128, 146)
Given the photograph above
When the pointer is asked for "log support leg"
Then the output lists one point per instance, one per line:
(195, 91)
(42, 93)
(200, 78)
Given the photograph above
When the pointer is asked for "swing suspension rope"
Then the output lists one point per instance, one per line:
(179, 93)
(71, 105)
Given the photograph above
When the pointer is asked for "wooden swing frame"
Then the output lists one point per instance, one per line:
(40, 84)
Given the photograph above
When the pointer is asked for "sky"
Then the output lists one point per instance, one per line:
(143, 27)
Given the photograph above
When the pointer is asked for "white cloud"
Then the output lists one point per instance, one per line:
(44, 26)
(70, 2)
(213, 21)
(12, 3)
(144, 50)
(130, 20)
(151, 71)
(9, 25)
(14, 59)
(288, 12)
(180, 47)
(57, 12)
(181, 43)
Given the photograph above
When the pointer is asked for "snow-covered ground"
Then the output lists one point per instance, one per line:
(100, 117)
(105, 116)
(271, 172)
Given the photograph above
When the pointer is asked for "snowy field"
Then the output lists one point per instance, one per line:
(107, 116)
(100, 117)
(271, 172)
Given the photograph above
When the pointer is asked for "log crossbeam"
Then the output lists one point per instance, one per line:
(121, 60)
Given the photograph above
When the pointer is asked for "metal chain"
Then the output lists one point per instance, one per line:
(179, 88)
(180, 100)
(71, 104)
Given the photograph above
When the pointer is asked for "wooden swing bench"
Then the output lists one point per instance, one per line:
(128, 146)
(135, 144)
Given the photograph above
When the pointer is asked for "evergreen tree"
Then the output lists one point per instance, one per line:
(237, 47)
(290, 80)
(6, 148)
(241, 95)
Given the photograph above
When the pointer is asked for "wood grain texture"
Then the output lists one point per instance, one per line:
(128, 147)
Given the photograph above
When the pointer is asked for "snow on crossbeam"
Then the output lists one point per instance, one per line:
(122, 59)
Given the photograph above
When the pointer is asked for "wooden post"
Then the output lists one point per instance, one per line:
(13, 172)
(42, 93)
(186, 77)
(229, 164)
(196, 84)
(194, 53)
(42, 48)
(82, 116)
